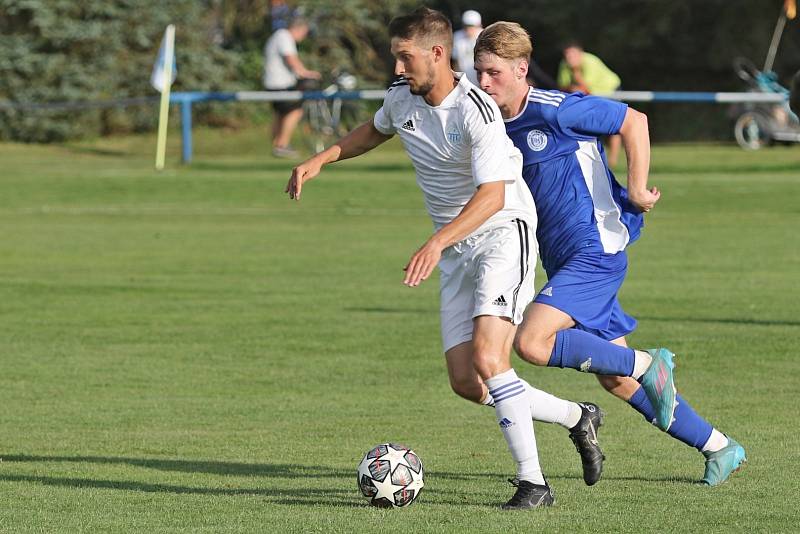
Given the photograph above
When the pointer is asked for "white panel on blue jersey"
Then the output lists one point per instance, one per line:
(613, 234)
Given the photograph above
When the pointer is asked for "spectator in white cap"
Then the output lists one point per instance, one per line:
(464, 43)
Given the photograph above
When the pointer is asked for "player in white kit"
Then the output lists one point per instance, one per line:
(484, 240)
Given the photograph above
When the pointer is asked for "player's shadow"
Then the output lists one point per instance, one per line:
(722, 320)
(287, 496)
(289, 471)
(193, 466)
(282, 495)
(273, 491)
(560, 476)
(629, 478)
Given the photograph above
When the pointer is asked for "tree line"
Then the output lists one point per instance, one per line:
(62, 50)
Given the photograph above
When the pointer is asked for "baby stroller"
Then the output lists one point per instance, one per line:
(760, 124)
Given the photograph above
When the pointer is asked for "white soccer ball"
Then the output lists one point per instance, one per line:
(390, 476)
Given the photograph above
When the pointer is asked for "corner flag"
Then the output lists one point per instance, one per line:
(164, 73)
(159, 75)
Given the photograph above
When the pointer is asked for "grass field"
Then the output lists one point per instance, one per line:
(189, 351)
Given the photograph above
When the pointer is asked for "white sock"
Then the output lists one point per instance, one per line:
(513, 411)
(716, 441)
(641, 361)
(548, 408)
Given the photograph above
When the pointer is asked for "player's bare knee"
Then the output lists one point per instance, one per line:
(608, 382)
(489, 364)
(467, 389)
(531, 349)
(622, 387)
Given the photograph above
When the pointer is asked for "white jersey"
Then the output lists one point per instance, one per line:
(456, 147)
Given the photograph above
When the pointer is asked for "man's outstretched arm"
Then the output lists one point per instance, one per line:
(487, 200)
(361, 140)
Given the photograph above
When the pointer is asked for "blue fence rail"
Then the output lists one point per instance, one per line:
(187, 99)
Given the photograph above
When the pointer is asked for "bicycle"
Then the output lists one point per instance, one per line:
(327, 119)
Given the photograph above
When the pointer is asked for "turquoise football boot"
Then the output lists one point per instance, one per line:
(723, 463)
(659, 385)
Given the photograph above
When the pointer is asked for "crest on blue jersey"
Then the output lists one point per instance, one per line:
(537, 140)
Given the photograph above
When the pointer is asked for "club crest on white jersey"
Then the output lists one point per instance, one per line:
(453, 135)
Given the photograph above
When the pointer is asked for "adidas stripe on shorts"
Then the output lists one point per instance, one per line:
(491, 273)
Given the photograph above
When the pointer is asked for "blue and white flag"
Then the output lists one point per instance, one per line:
(159, 69)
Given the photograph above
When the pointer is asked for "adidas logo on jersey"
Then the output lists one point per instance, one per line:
(547, 291)
(586, 365)
(408, 125)
(505, 422)
(500, 301)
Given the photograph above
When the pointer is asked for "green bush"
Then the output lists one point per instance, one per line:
(66, 51)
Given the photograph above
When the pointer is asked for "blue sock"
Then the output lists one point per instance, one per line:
(586, 352)
(688, 427)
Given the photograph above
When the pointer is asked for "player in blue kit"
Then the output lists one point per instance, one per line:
(586, 220)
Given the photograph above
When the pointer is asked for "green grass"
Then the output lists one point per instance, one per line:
(190, 351)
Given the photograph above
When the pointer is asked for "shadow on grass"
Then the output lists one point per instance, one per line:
(275, 493)
(227, 468)
(191, 466)
(317, 496)
(780, 167)
(287, 496)
(287, 165)
(720, 320)
(632, 478)
(95, 151)
(251, 166)
(284, 470)
(414, 311)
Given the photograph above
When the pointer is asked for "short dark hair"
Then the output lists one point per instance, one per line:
(425, 25)
(572, 43)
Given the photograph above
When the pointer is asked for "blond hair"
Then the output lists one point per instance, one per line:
(506, 40)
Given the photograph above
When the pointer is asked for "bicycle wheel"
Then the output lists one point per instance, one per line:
(313, 125)
(350, 115)
(318, 134)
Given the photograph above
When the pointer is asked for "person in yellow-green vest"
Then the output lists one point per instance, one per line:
(583, 72)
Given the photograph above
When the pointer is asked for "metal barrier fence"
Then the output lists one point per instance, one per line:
(187, 99)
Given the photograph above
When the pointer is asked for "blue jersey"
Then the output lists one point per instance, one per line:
(580, 205)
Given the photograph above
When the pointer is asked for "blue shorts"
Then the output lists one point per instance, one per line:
(586, 289)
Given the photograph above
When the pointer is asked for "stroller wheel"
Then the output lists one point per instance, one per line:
(751, 131)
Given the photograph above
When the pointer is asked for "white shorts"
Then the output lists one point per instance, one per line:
(487, 274)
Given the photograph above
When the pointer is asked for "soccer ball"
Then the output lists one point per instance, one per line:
(390, 475)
